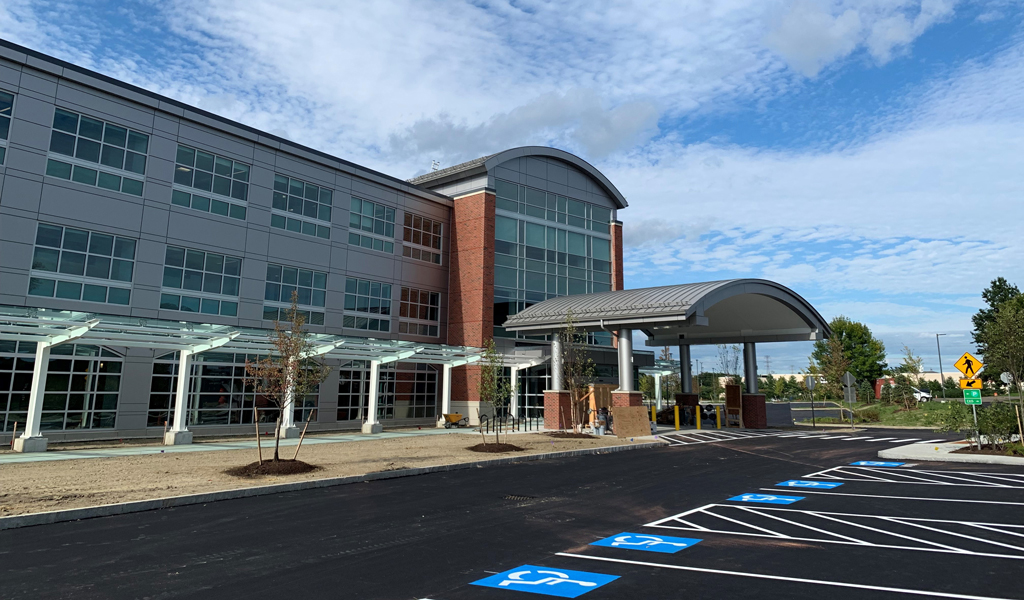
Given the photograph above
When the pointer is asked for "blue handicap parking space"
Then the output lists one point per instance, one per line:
(766, 498)
(799, 483)
(648, 543)
(561, 583)
(876, 463)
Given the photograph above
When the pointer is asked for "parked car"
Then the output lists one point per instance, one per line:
(922, 396)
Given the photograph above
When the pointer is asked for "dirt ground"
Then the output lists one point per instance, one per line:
(63, 484)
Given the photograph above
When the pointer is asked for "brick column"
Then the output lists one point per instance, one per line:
(557, 410)
(471, 286)
(627, 399)
(755, 415)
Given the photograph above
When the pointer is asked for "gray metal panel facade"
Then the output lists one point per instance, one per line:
(29, 197)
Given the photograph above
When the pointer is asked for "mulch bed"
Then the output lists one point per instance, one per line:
(269, 467)
(569, 434)
(985, 450)
(495, 448)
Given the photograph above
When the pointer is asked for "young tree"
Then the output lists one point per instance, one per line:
(290, 371)
(907, 378)
(578, 370)
(729, 362)
(495, 388)
(865, 352)
(832, 364)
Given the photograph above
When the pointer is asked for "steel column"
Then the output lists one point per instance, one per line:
(625, 360)
(750, 367)
(685, 372)
(556, 364)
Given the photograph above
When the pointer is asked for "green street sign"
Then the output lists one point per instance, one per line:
(972, 396)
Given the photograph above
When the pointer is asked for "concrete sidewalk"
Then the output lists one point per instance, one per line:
(944, 452)
(9, 458)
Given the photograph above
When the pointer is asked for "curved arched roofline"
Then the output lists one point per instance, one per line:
(507, 155)
(666, 308)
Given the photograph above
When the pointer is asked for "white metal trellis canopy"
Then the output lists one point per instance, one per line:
(48, 328)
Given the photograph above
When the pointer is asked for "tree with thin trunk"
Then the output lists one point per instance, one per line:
(290, 371)
(578, 370)
(1005, 338)
(495, 388)
(832, 363)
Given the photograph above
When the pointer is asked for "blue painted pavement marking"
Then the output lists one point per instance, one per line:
(549, 582)
(648, 543)
(875, 463)
(809, 484)
(767, 498)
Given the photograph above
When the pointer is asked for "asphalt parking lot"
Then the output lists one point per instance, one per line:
(752, 516)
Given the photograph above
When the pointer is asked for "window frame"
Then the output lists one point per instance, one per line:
(76, 165)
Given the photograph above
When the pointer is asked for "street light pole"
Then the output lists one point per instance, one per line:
(942, 378)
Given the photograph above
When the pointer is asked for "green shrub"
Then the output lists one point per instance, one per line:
(997, 422)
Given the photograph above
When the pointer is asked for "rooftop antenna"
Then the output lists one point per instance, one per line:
(434, 165)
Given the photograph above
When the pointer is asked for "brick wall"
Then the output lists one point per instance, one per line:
(471, 289)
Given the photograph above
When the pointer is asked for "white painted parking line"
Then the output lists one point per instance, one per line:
(841, 584)
(910, 440)
(935, 441)
(897, 533)
(915, 498)
(921, 477)
(854, 438)
(707, 437)
(884, 439)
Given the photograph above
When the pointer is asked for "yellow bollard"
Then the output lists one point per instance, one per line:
(654, 415)
(696, 410)
(677, 418)
(718, 417)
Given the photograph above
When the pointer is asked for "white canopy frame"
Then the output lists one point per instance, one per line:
(48, 328)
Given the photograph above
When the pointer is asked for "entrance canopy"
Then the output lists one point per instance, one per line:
(716, 312)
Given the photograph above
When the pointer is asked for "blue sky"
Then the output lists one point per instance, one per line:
(867, 154)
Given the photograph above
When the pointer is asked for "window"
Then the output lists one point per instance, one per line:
(422, 232)
(211, 173)
(200, 282)
(354, 388)
(298, 206)
(83, 384)
(205, 204)
(416, 391)
(420, 305)
(545, 205)
(93, 152)
(371, 218)
(218, 394)
(369, 298)
(534, 262)
(6, 109)
(310, 288)
(75, 264)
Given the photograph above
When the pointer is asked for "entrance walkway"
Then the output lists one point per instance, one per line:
(11, 458)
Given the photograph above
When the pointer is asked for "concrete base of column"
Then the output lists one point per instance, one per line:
(32, 444)
(372, 428)
(289, 432)
(557, 409)
(177, 438)
(755, 414)
(627, 398)
(687, 399)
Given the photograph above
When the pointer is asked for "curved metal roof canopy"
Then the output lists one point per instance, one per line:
(715, 312)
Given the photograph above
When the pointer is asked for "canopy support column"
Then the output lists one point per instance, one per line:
(750, 367)
(514, 399)
(372, 425)
(179, 433)
(32, 440)
(625, 360)
(657, 390)
(446, 392)
(685, 373)
(288, 428)
(556, 363)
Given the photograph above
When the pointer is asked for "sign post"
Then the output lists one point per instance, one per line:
(850, 393)
(972, 398)
(810, 381)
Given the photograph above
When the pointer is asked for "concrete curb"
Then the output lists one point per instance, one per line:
(943, 453)
(75, 514)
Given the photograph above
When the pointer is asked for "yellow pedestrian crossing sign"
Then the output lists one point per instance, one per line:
(968, 365)
(970, 384)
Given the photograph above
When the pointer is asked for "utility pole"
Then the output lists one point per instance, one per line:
(942, 378)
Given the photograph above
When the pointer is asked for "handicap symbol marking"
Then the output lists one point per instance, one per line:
(827, 485)
(875, 463)
(648, 543)
(767, 498)
(562, 583)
